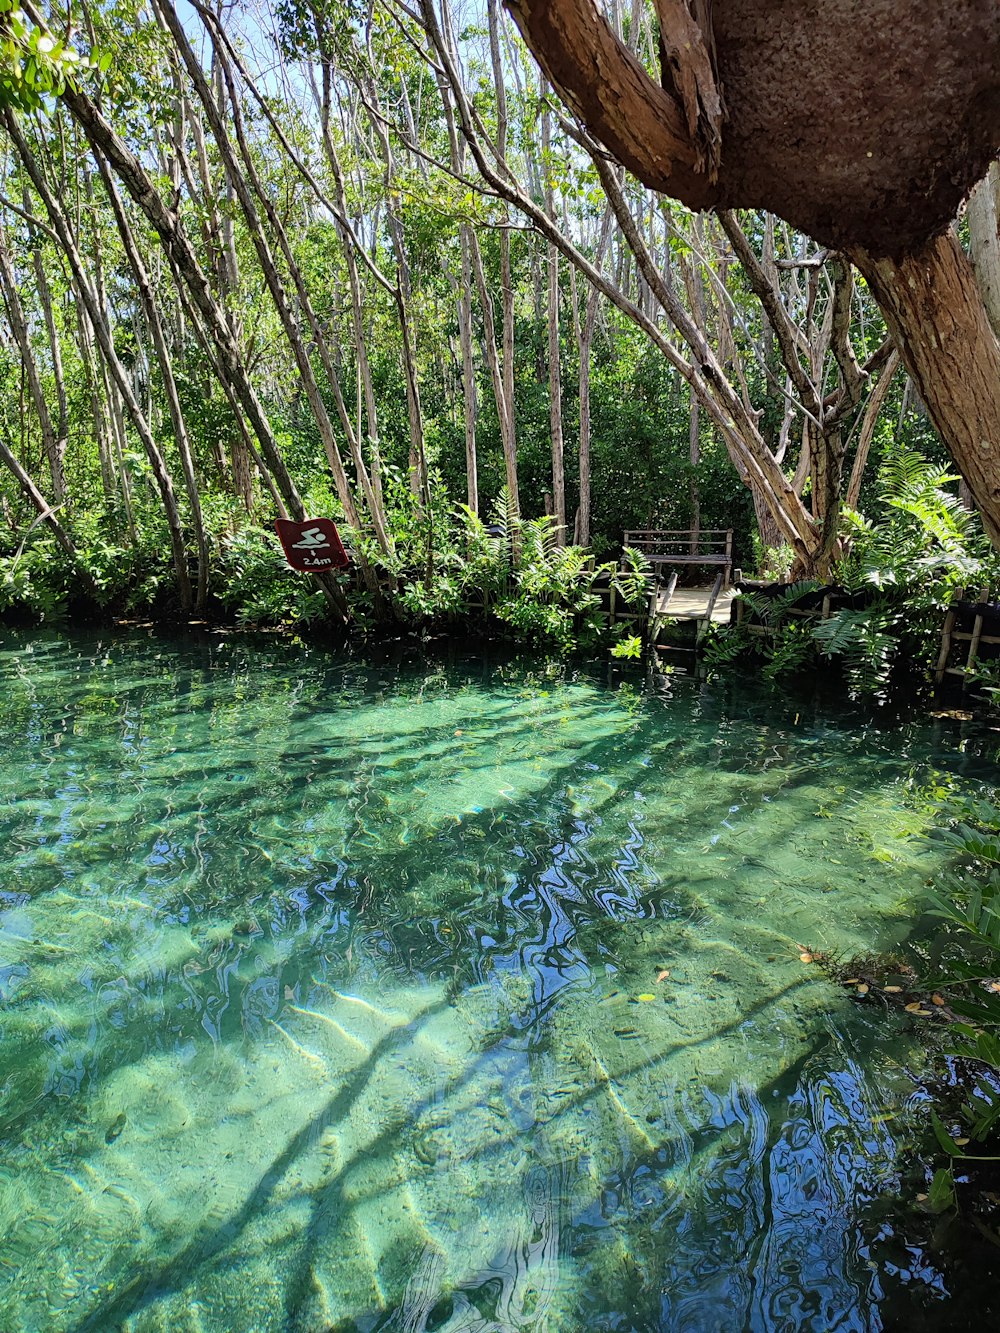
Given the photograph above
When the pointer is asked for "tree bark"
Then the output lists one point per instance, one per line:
(984, 241)
(935, 313)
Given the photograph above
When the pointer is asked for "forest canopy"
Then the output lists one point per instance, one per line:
(359, 260)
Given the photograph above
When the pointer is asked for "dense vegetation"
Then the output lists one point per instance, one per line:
(355, 261)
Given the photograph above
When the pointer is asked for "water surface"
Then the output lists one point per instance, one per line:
(337, 996)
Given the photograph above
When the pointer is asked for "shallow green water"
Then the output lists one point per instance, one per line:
(331, 996)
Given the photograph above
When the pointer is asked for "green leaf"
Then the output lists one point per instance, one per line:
(941, 1195)
(947, 1143)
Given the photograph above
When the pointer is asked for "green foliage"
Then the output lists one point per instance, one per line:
(35, 64)
(512, 576)
(864, 643)
(258, 587)
(941, 1195)
(36, 581)
(774, 563)
(627, 648)
(900, 573)
(928, 543)
(968, 900)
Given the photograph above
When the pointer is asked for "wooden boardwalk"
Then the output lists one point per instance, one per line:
(693, 604)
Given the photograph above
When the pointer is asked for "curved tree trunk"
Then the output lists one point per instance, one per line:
(935, 312)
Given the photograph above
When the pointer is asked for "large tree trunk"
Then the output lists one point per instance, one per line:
(984, 241)
(935, 312)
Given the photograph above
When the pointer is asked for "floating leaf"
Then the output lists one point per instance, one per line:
(863, 989)
(937, 999)
(914, 1007)
(893, 990)
(852, 981)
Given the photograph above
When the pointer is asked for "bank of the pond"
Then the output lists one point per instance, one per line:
(359, 995)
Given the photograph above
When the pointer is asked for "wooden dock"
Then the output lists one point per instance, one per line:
(701, 607)
(694, 604)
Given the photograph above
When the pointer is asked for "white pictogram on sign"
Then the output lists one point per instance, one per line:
(312, 540)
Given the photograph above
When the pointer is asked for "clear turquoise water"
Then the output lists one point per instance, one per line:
(331, 995)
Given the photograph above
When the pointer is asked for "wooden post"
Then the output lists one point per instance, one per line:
(977, 632)
(946, 633)
(703, 625)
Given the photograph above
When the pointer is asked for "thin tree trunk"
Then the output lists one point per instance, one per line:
(464, 290)
(55, 351)
(554, 357)
(505, 405)
(19, 327)
(469, 403)
(42, 506)
(102, 430)
(873, 410)
(165, 362)
(357, 292)
(106, 343)
(585, 341)
(506, 274)
(694, 458)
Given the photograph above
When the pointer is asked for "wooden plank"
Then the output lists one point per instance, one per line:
(961, 636)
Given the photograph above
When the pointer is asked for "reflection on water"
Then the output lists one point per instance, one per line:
(357, 998)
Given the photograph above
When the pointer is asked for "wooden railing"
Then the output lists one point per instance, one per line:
(673, 546)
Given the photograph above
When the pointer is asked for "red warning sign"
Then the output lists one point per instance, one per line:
(313, 544)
